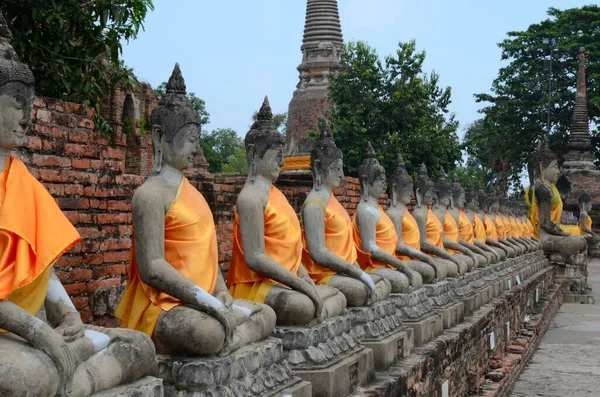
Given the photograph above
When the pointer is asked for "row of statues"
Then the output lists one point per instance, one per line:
(281, 273)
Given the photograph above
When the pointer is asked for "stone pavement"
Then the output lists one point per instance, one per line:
(567, 362)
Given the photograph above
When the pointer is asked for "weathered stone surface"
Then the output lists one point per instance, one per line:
(145, 387)
(413, 306)
(375, 322)
(254, 370)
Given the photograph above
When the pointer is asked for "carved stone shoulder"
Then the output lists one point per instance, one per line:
(543, 192)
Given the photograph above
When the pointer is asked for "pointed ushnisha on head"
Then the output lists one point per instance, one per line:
(401, 175)
(263, 135)
(11, 68)
(423, 183)
(370, 169)
(325, 149)
(442, 185)
(457, 189)
(174, 109)
(543, 154)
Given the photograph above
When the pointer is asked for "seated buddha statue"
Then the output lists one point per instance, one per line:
(546, 206)
(431, 229)
(479, 236)
(502, 228)
(175, 292)
(443, 200)
(492, 238)
(466, 234)
(408, 248)
(511, 230)
(585, 220)
(375, 237)
(519, 234)
(45, 349)
(266, 264)
(329, 254)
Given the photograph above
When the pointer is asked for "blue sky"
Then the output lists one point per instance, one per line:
(234, 52)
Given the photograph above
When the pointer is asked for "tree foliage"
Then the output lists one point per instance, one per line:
(74, 47)
(396, 106)
(516, 109)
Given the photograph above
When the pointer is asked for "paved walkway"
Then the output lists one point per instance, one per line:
(567, 362)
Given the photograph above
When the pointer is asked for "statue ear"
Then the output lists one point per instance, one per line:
(418, 197)
(318, 172)
(157, 139)
(365, 187)
(250, 154)
(394, 194)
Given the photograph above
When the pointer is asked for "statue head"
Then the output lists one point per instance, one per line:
(471, 199)
(424, 188)
(443, 189)
(459, 198)
(372, 175)
(402, 185)
(494, 201)
(264, 145)
(326, 160)
(585, 202)
(545, 162)
(16, 93)
(175, 127)
(505, 205)
(484, 200)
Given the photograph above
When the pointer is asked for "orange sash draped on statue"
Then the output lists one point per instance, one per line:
(465, 227)
(410, 234)
(283, 244)
(190, 247)
(450, 230)
(490, 228)
(385, 238)
(434, 230)
(556, 208)
(500, 226)
(478, 229)
(338, 239)
(514, 228)
(34, 233)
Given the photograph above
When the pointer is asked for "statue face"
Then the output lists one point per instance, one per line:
(588, 206)
(270, 164)
(180, 152)
(494, 206)
(335, 174)
(405, 193)
(15, 117)
(460, 201)
(551, 172)
(443, 199)
(378, 188)
(429, 197)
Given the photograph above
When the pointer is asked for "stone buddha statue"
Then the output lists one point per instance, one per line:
(520, 209)
(375, 237)
(408, 248)
(492, 237)
(175, 292)
(431, 229)
(545, 205)
(479, 237)
(466, 234)
(329, 254)
(45, 349)
(443, 200)
(512, 213)
(510, 231)
(502, 228)
(585, 221)
(266, 264)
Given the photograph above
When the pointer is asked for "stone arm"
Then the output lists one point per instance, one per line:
(426, 246)
(314, 229)
(368, 227)
(405, 250)
(458, 247)
(582, 224)
(485, 247)
(543, 195)
(507, 242)
(252, 226)
(496, 244)
(472, 247)
(60, 311)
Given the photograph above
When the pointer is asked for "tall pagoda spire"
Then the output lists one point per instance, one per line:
(321, 50)
(580, 152)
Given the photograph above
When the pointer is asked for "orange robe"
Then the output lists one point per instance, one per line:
(478, 229)
(451, 230)
(34, 233)
(410, 234)
(190, 247)
(500, 227)
(434, 230)
(556, 209)
(490, 228)
(514, 228)
(465, 227)
(385, 238)
(283, 244)
(338, 239)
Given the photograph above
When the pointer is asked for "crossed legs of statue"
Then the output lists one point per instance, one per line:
(295, 308)
(466, 263)
(107, 357)
(446, 267)
(481, 261)
(186, 331)
(356, 291)
(564, 244)
(425, 270)
(398, 280)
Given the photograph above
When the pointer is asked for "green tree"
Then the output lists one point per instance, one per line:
(221, 146)
(74, 47)
(394, 104)
(516, 109)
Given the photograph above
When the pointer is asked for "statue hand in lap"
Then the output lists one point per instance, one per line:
(176, 293)
(267, 252)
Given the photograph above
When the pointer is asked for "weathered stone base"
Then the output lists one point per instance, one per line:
(570, 272)
(463, 292)
(460, 358)
(452, 314)
(254, 370)
(418, 315)
(426, 329)
(388, 351)
(145, 387)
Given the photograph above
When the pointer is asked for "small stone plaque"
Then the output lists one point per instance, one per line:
(537, 295)
(492, 341)
(518, 280)
(445, 389)
(509, 285)
(507, 330)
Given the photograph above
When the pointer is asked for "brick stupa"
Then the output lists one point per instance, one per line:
(321, 51)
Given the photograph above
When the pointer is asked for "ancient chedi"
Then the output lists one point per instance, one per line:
(321, 51)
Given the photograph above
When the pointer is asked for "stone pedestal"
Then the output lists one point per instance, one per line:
(258, 369)
(442, 301)
(462, 291)
(418, 314)
(328, 356)
(594, 251)
(570, 271)
(378, 327)
(145, 387)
